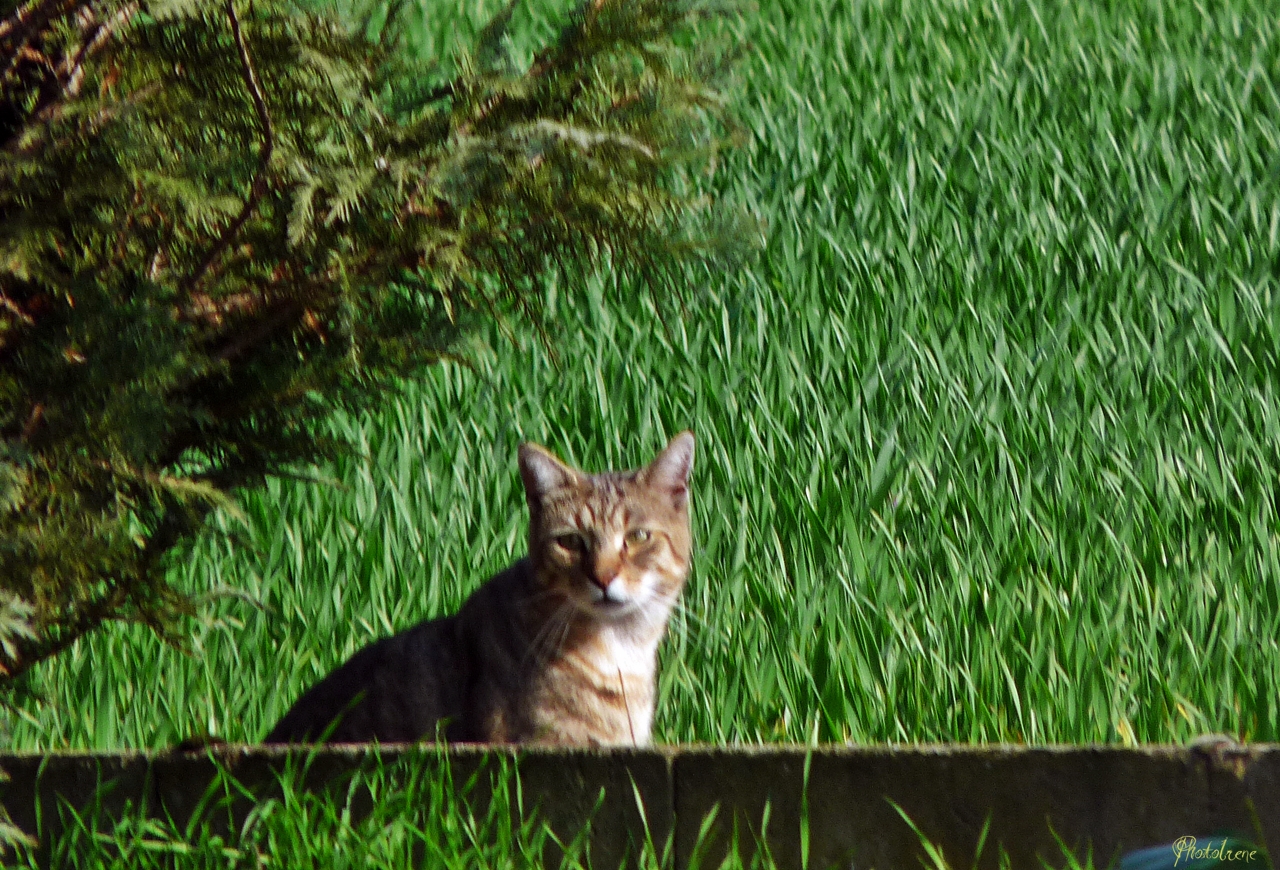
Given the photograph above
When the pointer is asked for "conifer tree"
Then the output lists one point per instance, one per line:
(221, 221)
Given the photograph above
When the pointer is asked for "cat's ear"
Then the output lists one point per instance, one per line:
(543, 473)
(670, 471)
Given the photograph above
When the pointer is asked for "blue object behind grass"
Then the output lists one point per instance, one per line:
(1218, 852)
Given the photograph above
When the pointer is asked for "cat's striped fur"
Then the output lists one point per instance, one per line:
(559, 648)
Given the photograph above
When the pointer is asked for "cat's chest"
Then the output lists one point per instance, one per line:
(614, 654)
(598, 691)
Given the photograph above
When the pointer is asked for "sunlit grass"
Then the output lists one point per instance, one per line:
(988, 436)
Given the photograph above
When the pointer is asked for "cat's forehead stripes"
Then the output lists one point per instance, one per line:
(604, 501)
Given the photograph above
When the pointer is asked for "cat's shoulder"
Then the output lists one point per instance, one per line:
(512, 582)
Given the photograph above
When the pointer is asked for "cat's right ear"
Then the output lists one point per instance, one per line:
(670, 471)
(543, 473)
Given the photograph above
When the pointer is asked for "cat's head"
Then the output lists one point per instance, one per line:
(616, 544)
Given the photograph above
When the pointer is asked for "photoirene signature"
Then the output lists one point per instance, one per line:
(1187, 847)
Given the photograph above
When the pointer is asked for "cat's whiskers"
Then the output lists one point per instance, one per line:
(556, 624)
(668, 604)
(548, 625)
(564, 629)
(677, 607)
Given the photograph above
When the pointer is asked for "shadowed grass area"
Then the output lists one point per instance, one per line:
(988, 436)
(424, 809)
(374, 817)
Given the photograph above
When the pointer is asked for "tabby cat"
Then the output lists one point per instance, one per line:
(558, 648)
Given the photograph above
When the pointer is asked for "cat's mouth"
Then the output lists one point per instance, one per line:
(604, 603)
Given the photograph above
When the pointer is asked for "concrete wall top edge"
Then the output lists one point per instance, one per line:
(671, 751)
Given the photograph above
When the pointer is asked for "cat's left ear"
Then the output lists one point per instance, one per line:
(670, 471)
(543, 473)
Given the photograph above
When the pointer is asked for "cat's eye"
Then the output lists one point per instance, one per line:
(636, 537)
(571, 541)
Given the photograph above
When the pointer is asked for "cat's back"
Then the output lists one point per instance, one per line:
(419, 683)
(393, 690)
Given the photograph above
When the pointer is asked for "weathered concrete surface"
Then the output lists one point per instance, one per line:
(38, 787)
(1108, 800)
(625, 793)
(618, 797)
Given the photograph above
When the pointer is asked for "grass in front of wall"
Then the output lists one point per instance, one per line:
(416, 814)
(988, 436)
(406, 814)
(376, 817)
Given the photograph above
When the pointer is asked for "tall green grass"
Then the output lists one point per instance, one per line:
(988, 436)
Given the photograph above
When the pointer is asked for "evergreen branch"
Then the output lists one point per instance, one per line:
(258, 187)
(15, 622)
(14, 309)
(189, 326)
(261, 330)
(586, 140)
(440, 92)
(251, 82)
(17, 30)
(96, 35)
(62, 80)
(31, 654)
(107, 606)
(70, 630)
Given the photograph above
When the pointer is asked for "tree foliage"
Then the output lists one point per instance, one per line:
(221, 221)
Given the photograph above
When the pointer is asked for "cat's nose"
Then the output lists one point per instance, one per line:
(611, 592)
(604, 572)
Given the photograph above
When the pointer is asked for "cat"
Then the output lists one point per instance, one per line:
(559, 648)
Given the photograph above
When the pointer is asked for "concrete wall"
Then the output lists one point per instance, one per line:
(1108, 800)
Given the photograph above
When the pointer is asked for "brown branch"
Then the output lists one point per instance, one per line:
(33, 421)
(71, 77)
(206, 310)
(15, 310)
(259, 185)
(290, 310)
(17, 30)
(64, 79)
